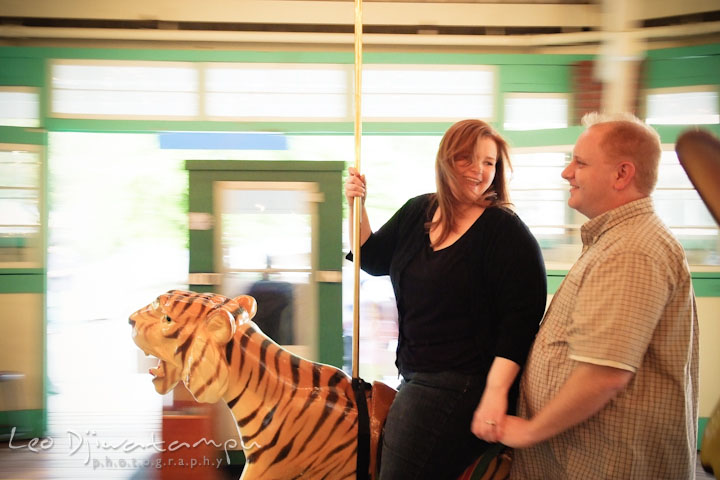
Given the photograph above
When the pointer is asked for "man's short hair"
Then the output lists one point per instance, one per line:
(629, 138)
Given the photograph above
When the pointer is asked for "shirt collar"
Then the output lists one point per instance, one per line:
(593, 229)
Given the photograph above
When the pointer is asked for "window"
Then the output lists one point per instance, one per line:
(20, 206)
(681, 208)
(538, 191)
(534, 111)
(277, 91)
(114, 89)
(539, 195)
(268, 92)
(427, 92)
(19, 107)
(683, 106)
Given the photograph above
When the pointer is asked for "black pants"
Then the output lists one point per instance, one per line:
(427, 434)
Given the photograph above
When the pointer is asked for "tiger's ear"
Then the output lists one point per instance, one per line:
(248, 303)
(220, 326)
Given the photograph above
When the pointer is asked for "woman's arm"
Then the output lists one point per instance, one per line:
(489, 419)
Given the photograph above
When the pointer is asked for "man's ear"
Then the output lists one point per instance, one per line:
(220, 326)
(624, 175)
(248, 303)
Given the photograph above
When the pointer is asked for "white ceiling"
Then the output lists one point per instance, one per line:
(479, 25)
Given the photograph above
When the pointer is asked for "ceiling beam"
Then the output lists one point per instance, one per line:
(556, 39)
(312, 12)
(639, 10)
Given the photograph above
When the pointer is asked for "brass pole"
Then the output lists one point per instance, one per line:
(357, 203)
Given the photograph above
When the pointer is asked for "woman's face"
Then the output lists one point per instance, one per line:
(476, 174)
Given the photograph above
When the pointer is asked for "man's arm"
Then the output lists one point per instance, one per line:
(588, 389)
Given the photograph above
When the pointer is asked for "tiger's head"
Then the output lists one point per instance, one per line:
(189, 332)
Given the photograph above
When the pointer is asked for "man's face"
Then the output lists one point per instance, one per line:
(591, 175)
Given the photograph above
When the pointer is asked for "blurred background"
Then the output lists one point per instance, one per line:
(148, 146)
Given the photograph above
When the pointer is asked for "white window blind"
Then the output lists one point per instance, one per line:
(683, 106)
(19, 107)
(427, 92)
(535, 111)
(111, 89)
(277, 91)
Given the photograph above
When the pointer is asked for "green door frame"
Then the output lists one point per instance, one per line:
(30, 419)
(328, 177)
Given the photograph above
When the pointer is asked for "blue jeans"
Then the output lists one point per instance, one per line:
(427, 434)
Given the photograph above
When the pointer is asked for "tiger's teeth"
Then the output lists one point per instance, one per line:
(159, 371)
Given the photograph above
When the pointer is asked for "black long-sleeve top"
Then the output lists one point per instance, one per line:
(462, 306)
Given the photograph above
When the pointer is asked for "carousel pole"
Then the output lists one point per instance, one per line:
(357, 201)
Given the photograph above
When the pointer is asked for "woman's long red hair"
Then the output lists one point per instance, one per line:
(460, 140)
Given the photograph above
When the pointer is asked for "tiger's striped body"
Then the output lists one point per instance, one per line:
(296, 418)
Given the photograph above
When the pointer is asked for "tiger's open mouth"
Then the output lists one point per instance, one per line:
(159, 371)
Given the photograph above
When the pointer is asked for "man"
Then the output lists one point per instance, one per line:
(610, 386)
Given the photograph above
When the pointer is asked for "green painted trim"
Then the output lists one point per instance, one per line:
(188, 55)
(405, 128)
(555, 136)
(679, 52)
(682, 72)
(535, 78)
(346, 57)
(330, 342)
(471, 58)
(291, 128)
(265, 166)
(553, 283)
(670, 133)
(714, 275)
(538, 138)
(22, 271)
(154, 126)
(22, 283)
(297, 128)
(27, 72)
(22, 135)
(705, 284)
(28, 423)
(702, 423)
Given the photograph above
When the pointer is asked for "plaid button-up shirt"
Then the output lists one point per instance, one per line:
(627, 303)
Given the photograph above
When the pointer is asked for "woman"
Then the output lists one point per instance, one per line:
(470, 288)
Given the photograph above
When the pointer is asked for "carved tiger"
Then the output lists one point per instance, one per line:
(296, 418)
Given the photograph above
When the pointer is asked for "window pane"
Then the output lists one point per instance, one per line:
(539, 195)
(424, 107)
(681, 208)
(524, 112)
(124, 104)
(683, 108)
(19, 107)
(266, 214)
(268, 91)
(421, 93)
(276, 105)
(20, 207)
(146, 89)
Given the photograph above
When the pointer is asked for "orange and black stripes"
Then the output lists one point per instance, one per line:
(296, 418)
